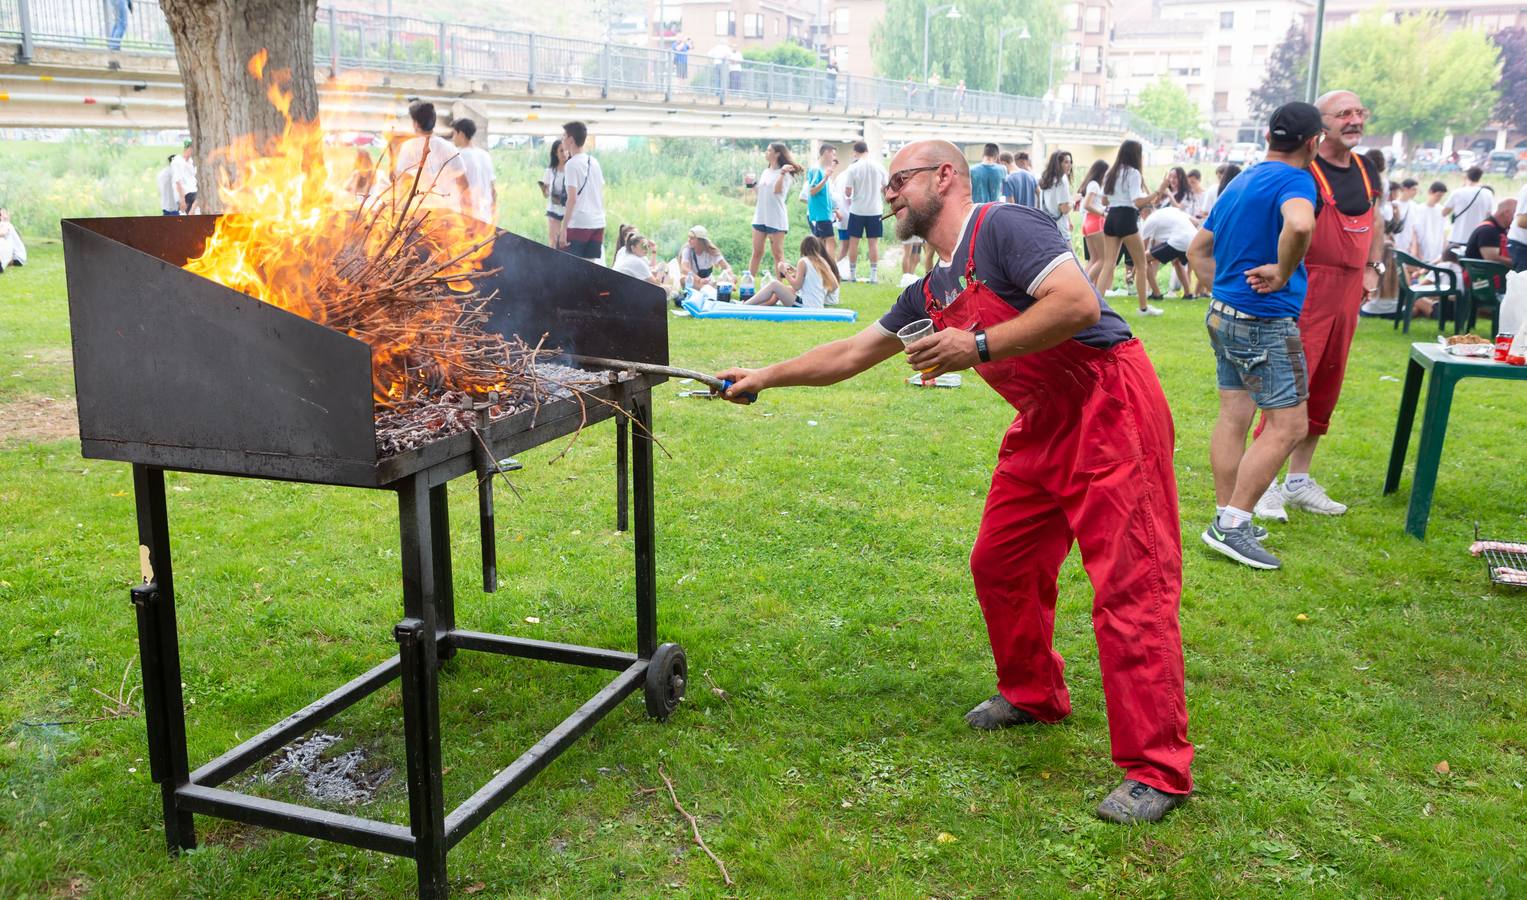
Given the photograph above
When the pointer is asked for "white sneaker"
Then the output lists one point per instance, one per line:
(1150, 310)
(1270, 506)
(874, 277)
(1311, 497)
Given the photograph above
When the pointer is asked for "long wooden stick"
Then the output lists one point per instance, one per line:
(695, 825)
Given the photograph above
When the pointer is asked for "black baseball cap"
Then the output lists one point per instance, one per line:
(1292, 124)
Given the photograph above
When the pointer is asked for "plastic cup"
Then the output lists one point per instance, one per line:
(913, 332)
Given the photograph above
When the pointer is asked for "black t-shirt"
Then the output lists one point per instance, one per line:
(1486, 234)
(1018, 248)
(1347, 184)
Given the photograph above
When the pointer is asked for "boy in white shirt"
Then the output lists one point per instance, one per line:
(583, 222)
(479, 169)
(440, 173)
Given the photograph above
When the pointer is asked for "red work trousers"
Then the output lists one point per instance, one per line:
(1091, 459)
(1327, 325)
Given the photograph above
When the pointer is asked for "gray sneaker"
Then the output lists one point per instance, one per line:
(1133, 802)
(989, 715)
(1241, 545)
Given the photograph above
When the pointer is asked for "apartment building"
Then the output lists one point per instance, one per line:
(1487, 15)
(1086, 53)
(840, 29)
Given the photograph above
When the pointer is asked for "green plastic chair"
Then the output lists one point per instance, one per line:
(1479, 293)
(1445, 289)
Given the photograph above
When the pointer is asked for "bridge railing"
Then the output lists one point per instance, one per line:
(351, 39)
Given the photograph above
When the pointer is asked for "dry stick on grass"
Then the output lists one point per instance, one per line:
(118, 707)
(694, 824)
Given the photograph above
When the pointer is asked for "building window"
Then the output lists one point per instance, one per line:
(1071, 14)
(1259, 54)
(670, 14)
(1092, 60)
(752, 25)
(1264, 19)
(1094, 20)
(1221, 101)
(1224, 56)
(726, 23)
(776, 26)
(1227, 20)
(840, 22)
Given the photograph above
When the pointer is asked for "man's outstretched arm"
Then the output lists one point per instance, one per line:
(826, 364)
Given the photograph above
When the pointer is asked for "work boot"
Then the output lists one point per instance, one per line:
(996, 713)
(1133, 802)
(1241, 545)
(1270, 506)
(1311, 497)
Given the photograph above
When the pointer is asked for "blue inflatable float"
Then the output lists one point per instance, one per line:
(710, 309)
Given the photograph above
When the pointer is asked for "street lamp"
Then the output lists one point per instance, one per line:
(1023, 35)
(950, 12)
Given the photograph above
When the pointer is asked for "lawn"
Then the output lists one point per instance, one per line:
(812, 560)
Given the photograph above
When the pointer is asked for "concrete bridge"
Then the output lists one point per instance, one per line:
(56, 70)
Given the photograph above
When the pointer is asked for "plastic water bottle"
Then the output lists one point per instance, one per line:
(724, 289)
(745, 288)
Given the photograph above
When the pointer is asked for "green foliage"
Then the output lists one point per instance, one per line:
(1416, 75)
(966, 48)
(1288, 72)
(1512, 86)
(784, 53)
(103, 173)
(1167, 106)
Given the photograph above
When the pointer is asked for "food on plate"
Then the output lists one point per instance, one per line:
(1457, 339)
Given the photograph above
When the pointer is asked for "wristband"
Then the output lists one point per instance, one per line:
(981, 349)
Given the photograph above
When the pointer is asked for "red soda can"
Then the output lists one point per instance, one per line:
(1502, 345)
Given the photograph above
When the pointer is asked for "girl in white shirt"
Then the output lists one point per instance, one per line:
(1125, 187)
(770, 218)
(810, 283)
(554, 189)
(1093, 212)
(633, 261)
(1055, 191)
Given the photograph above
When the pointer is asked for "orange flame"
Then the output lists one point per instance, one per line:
(303, 234)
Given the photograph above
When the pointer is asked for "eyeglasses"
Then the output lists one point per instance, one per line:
(1361, 113)
(899, 179)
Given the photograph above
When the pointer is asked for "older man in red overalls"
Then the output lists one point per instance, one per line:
(1344, 264)
(1088, 459)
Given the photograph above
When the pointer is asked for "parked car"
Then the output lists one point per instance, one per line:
(1502, 162)
(1244, 153)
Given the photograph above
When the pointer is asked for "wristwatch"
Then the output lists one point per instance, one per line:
(1376, 266)
(981, 348)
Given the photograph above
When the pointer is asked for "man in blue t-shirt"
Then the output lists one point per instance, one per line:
(1251, 249)
(1020, 186)
(819, 197)
(987, 175)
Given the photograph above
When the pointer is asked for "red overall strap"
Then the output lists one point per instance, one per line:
(970, 257)
(1325, 184)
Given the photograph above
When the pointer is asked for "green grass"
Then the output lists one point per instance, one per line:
(817, 574)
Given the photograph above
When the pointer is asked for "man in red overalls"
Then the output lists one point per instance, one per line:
(1088, 458)
(1344, 263)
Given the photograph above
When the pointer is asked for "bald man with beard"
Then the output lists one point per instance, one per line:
(1345, 262)
(1087, 459)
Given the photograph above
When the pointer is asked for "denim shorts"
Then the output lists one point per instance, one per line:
(1261, 356)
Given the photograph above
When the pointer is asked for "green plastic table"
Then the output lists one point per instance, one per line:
(1447, 370)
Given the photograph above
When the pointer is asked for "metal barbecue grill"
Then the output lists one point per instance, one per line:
(175, 372)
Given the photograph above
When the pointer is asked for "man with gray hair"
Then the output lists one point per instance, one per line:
(1345, 261)
(1087, 460)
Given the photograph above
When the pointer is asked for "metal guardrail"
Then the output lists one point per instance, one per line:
(350, 39)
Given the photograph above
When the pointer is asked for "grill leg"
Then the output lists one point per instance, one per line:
(622, 466)
(164, 710)
(440, 558)
(417, 637)
(646, 561)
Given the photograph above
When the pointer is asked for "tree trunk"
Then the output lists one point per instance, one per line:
(214, 40)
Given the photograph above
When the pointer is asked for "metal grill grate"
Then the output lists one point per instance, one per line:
(1499, 564)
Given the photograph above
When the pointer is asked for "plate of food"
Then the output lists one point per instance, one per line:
(1467, 345)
